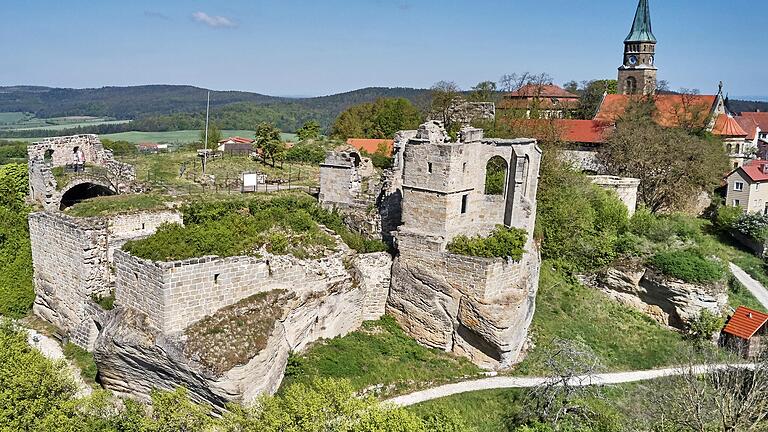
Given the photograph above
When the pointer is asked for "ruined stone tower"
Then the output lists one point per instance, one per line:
(637, 74)
(477, 307)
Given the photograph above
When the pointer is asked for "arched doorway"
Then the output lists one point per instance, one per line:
(83, 191)
(495, 175)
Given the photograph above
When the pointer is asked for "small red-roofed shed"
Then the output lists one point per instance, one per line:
(745, 332)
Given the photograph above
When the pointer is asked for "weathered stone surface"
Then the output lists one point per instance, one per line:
(667, 300)
(134, 356)
(54, 152)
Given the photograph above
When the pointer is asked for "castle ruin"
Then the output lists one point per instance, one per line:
(477, 307)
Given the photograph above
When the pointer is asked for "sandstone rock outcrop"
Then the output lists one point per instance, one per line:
(669, 301)
(134, 356)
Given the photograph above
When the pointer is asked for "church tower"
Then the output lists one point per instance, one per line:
(638, 73)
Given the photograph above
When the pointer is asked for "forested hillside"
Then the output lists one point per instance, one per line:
(165, 107)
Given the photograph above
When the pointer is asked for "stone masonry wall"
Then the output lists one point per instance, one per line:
(69, 260)
(131, 226)
(176, 294)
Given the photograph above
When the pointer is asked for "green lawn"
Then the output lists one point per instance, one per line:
(107, 205)
(379, 353)
(623, 338)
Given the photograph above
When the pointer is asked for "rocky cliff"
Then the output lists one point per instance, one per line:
(222, 358)
(669, 301)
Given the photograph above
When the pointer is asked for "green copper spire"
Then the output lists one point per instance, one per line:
(641, 28)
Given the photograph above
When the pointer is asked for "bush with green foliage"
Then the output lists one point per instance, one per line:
(662, 228)
(284, 223)
(502, 243)
(306, 152)
(688, 265)
(578, 223)
(701, 328)
(38, 395)
(754, 225)
(726, 216)
(310, 130)
(16, 289)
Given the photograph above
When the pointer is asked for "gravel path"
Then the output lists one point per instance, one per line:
(526, 382)
(755, 287)
(51, 349)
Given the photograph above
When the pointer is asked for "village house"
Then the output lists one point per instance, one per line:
(540, 101)
(748, 187)
(745, 332)
(740, 150)
(236, 146)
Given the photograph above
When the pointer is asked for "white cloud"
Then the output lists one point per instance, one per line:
(213, 21)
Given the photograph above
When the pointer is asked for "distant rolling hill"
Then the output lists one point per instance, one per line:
(127, 103)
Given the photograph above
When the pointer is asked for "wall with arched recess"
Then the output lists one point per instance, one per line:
(82, 187)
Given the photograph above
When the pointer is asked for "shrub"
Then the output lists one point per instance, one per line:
(577, 221)
(688, 265)
(754, 225)
(704, 326)
(306, 153)
(725, 217)
(660, 229)
(284, 223)
(503, 242)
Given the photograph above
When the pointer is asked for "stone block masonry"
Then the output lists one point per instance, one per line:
(480, 308)
(70, 265)
(71, 260)
(176, 294)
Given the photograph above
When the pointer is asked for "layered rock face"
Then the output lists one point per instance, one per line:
(479, 308)
(669, 301)
(136, 353)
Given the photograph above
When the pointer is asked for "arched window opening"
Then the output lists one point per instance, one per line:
(48, 156)
(495, 175)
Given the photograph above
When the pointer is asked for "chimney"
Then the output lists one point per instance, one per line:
(764, 168)
(749, 315)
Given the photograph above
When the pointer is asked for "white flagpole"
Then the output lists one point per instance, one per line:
(205, 148)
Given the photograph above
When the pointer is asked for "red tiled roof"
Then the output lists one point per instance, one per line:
(542, 91)
(745, 322)
(725, 125)
(761, 118)
(756, 170)
(238, 140)
(371, 145)
(670, 108)
(571, 131)
(582, 131)
(749, 125)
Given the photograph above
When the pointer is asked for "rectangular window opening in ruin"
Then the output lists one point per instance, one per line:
(136, 276)
(216, 278)
(143, 226)
(464, 199)
(464, 167)
(429, 166)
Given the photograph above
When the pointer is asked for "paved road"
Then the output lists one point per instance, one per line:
(526, 382)
(755, 287)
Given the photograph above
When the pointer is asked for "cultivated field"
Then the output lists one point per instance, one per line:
(18, 121)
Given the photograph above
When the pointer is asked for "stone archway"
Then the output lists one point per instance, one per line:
(83, 190)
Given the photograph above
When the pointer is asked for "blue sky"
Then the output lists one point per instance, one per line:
(315, 47)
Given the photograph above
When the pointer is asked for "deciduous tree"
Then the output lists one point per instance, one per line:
(674, 167)
(268, 141)
(310, 130)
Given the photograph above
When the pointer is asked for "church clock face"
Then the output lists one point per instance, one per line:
(632, 60)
